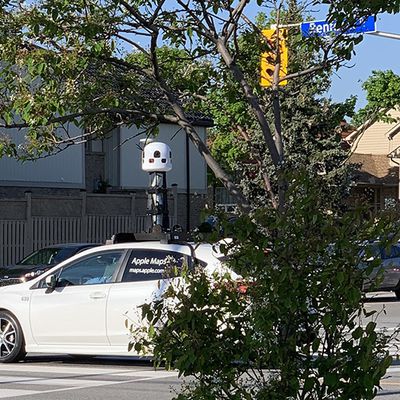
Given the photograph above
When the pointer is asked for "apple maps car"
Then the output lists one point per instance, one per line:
(40, 261)
(80, 305)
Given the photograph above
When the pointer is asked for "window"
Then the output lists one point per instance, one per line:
(48, 256)
(393, 252)
(148, 265)
(91, 270)
(381, 252)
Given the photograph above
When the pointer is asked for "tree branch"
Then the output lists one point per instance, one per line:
(94, 111)
(252, 100)
(267, 182)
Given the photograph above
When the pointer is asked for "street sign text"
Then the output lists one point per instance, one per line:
(325, 28)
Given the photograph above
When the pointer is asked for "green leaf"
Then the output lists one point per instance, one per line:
(331, 379)
(357, 333)
(340, 277)
(370, 327)
(151, 331)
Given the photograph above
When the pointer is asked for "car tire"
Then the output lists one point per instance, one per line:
(12, 343)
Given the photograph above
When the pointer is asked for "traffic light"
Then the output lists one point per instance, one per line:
(268, 59)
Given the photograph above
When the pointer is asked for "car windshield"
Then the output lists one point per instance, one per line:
(47, 256)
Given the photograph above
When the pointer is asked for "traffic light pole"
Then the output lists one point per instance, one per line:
(385, 34)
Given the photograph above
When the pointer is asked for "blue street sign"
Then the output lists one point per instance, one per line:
(324, 28)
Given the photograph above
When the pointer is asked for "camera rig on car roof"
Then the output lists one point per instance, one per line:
(176, 235)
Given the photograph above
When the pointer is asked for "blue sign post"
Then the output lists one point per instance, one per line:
(324, 28)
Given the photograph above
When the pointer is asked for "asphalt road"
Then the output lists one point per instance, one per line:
(63, 378)
(387, 317)
(45, 377)
(390, 384)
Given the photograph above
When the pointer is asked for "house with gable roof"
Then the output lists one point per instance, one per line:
(375, 148)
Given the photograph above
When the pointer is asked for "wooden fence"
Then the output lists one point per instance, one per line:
(19, 237)
(16, 242)
(12, 234)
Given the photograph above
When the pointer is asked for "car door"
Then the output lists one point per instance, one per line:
(391, 267)
(139, 281)
(74, 313)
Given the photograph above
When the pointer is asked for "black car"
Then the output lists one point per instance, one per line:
(40, 261)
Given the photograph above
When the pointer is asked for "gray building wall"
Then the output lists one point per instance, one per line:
(58, 184)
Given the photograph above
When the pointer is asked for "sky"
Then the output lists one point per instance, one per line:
(373, 53)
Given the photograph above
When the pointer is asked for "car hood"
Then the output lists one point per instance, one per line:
(16, 271)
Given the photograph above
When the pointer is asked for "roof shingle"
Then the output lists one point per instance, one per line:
(375, 169)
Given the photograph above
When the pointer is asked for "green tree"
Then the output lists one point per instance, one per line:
(299, 332)
(383, 94)
(309, 120)
(65, 62)
(344, 10)
(72, 61)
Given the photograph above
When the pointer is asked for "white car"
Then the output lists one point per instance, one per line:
(80, 306)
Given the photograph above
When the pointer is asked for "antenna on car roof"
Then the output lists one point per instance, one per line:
(157, 161)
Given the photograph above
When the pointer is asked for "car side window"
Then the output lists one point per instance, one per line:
(393, 252)
(91, 270)
(149, 264)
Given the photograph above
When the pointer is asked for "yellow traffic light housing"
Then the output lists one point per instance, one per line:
(269, 59)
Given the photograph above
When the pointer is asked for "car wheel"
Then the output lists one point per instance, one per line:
(12, 344)
(397, 293)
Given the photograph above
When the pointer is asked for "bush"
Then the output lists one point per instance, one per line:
(300, 331)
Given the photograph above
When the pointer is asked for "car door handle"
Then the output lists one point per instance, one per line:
(97, 295)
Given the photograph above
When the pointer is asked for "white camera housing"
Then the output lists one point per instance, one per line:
(156, 157)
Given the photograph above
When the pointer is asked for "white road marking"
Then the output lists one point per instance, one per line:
(152, 373)
(68, 383)
(62, 370)
(391, 329)
(394, 368)
(7, 393)
(46, 381)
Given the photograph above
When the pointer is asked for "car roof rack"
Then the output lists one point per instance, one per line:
(162, 237)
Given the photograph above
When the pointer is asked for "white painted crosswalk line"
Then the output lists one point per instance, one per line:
(8, 393)
(62, 370)
(61, 379)
(150, 373)
(47, 381)
(86, 371)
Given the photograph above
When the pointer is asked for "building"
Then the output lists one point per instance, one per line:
(375, 148)
(89, 191)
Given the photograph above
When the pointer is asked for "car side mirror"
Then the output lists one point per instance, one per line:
(51, 282)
